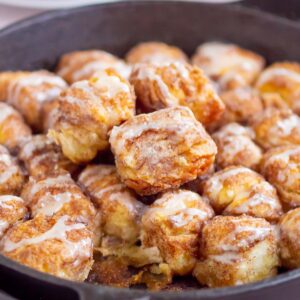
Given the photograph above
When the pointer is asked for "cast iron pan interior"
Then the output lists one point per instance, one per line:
(38, 42)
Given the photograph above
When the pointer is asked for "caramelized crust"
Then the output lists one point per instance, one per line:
(281, 166)
(275, 127)
(176, 84)
(57, 246)
(42, 157)
(81, 65)
(88, 110)
(155, 53)
(161, 150)
(236, 147)
(236, 250)
(281, 82)
(11, 175)
(28, 91)
(238, 190)
(120, 211)
(13, 129)
(228, 64)
(173, 223)
(58, 195)
(289, 239)
(12, 210)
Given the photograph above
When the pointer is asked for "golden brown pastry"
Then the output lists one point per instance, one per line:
(275, 127)
(289, 227)
(173, 224)
(5, 79)
(236, 250)
(58, 195)
(11, 175)
(281, 82)
(236, 147)
(42, 157)
(155, 53)
(28, 91)
(228, 64)
(81, 65)
(120, 211)
(176, 84)
(161, 150)
(57, 246)
(281, 167)
(88, 110)
(13, 129)
(12, 210)
(238, 190)
(241, 105)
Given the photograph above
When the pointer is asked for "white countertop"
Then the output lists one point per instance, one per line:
(9, 15)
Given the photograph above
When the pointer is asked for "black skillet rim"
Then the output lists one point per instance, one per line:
(86, 290)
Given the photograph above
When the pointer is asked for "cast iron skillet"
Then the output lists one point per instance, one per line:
(38, 42)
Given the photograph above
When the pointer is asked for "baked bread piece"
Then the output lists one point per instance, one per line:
(11, 175)
(236, 147)
(228, 64)
(28, 91)
(289, 227)
(274, 127)
(167, 85)
(87, 112)
(58, 246)
(58, 195)
(81, 65)
(281, 167)
(238, 190)
(241, 104)
(118, 206)
(161, 150)
(155, 53)
(12, 210)
(13, 129)
(236, 250)
(173, 224)
(281, 82)
(42, 157)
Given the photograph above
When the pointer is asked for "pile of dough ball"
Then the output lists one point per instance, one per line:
(205, 181)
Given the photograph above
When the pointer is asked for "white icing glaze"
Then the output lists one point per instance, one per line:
(8, 173)
(95, 66)
(287, 125)
(283, 156)
(216, 181)
(176, 122)
(5, 112)
(226, 257)
(9, 198)
(50, 204)
(6, 159)
(230, 243)
(95, 173)
(176, 207)
(272, 73)
(38, 142)
(58, 231)
(35, 80)
(148, 72)
(61, 181)
(223, 57)
(112, 188)
(111, 85)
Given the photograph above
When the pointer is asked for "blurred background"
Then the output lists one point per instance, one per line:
(14, 10)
